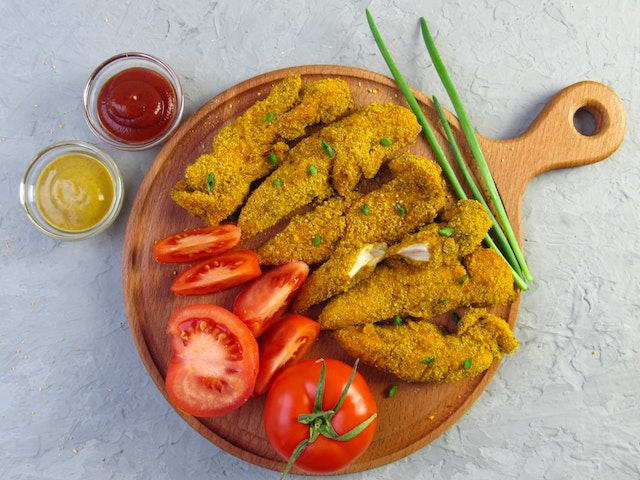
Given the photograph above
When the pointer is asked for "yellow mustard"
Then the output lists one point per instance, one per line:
(74, 192)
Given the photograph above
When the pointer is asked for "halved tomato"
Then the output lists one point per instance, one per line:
(269, 296)
(226, 270)
(196, 244)
(215, 361)
(285, 343)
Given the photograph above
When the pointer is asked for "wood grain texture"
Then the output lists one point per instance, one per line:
(418, 413)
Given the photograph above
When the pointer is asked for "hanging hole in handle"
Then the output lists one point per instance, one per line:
(585, 122)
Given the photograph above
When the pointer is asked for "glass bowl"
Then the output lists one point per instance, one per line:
(133, 101)
(72, 190)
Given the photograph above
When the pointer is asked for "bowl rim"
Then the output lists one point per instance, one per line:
(45, 157)
(95, 83)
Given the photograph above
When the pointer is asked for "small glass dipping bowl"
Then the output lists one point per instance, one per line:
(133, 101)
(72, 190)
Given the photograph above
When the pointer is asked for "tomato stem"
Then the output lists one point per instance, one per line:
(319, 421)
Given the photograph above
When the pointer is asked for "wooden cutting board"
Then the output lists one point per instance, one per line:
(418, 413)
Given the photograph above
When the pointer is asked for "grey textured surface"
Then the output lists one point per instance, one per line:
(76, 401)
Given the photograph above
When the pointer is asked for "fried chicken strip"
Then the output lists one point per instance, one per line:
(397, 287)
(330, 161)
(460, 231)
(412, 198)
(420, 351)
(218, 182)
(309, 237)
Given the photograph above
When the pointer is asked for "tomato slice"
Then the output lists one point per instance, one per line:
(285, 343)
(225, 270)
(215, 361)
(196, 244)
(266, 298)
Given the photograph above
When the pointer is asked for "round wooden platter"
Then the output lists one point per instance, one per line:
(418, 413)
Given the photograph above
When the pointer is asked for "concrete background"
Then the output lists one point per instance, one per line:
(75, 399)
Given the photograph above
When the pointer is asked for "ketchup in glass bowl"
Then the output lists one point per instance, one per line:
(133, 101)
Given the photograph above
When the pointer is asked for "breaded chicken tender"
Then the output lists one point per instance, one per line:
(331, 161)
(218, 182)
(412, 198)
(309, 237)
(419, 351)
(460, 231)
(397, 287)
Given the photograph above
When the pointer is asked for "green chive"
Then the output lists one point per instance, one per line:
(463, 279)
(273, 159)
(327, 149)
(268, 117)
(277, 182)
(313, 170)
(365, 209)
(443, 301)
(467, 363)
(397, 320)
(474, 145)
(446, 231)
(428, 132)
(386, 142)
(211, 182)
(505, 248)
(393, 389)
(400, 209)
(428, 360)
(317, 240)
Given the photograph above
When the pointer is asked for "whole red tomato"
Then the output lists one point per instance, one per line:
(321, 415)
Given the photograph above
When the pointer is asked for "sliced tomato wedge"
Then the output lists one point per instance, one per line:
(284, 344)
(269, 296)
(222, 271)
(215, 361)
(196, 244)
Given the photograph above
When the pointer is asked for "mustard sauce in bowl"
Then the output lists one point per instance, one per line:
(72, 190)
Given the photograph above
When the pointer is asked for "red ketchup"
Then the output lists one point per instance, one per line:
(137, 105)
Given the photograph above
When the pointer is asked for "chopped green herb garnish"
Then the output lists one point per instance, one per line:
(428, 360)
(273, 159)
(456, 318)
(446, 231)
(463, 278)
(467, 363)
(397, 320)
(327, 149)
(400, 209)
(365, 209)
(317, 240)
(268, 117)
(277, 182)
(313, 170)
(442, 301)
(393, 389)
(386, 142)
(211, 182)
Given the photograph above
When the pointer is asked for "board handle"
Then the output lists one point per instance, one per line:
(553, 141)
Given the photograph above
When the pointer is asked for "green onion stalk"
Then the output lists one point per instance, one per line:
(516, 266)
(474, 145)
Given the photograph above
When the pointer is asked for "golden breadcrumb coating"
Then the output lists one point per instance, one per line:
(319, 165)
(397, 287)
(309, 237)
(419, 351)
(462, 228)
(218, 182)
(411, 199)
